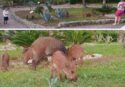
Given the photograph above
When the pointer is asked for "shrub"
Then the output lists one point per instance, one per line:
(39, 9)
(72, 1)
(106, 36)
(57, 2)
(106, 9)
(80, 37)
(25, 38)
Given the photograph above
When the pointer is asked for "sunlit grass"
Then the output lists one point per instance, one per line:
(92, 73)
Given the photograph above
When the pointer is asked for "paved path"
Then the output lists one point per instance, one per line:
(123, 27)
(11, 23)
(105, 26)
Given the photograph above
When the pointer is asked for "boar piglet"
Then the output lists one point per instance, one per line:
(4, 61)
(61, 65)
(75, 53)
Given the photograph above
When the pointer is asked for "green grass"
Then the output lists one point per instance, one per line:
(14, 54)
(109, 49)
(101, 73)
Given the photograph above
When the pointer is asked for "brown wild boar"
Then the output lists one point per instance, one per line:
(75, 53)
(4, 61)
(41, 48)
(27, 54)
(60, 64)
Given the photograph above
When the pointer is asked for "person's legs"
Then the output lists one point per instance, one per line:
(116, 20)
(7, 20)
(4, 20)
(119, 19)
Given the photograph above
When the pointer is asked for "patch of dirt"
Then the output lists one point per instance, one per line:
(9, 46)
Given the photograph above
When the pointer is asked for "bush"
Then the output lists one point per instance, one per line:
(106, 9)
(57, 2)
(25, 38)
(39, 9)
(106, 36)
(80, 37)
(72, 1)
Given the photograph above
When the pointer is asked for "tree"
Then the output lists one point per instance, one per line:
(104, 2)
(7, 2)
(84, 3)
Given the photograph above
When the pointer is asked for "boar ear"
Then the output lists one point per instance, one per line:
(25, 49)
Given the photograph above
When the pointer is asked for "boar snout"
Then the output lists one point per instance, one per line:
(73, 78)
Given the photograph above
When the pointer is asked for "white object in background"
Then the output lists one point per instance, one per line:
(31, 12)
(93, 56)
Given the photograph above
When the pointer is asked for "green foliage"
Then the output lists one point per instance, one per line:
(72, 1)
(6, 35)
(106, 9)
(15, 54)
(48, 4)
(25, 38)
(57, 2)
(39, 9)
(106, 36)
(76, 36)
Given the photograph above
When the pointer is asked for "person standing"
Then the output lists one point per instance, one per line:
(5, 15)
(119, 12)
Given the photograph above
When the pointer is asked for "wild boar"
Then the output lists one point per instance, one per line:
(75, 53)
(60, 64)
(41, 48)
(5, 61)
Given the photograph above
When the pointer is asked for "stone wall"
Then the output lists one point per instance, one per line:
(27, 23)
(87, 22)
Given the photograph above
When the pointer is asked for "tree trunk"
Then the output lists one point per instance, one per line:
(84, 3)
(104, 2)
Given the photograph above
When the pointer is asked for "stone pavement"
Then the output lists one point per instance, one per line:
(11, 23)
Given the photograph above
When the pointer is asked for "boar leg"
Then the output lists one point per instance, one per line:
(53, 72)
(34, 64)
(60, 75)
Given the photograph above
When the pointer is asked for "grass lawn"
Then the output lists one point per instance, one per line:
(14, 54)
(107, 72)
(75, 14)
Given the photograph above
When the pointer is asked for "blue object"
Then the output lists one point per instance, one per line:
(60, 12)
(46, 15)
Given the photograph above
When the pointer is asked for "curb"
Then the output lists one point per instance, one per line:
(86, 22)
(28, 24)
